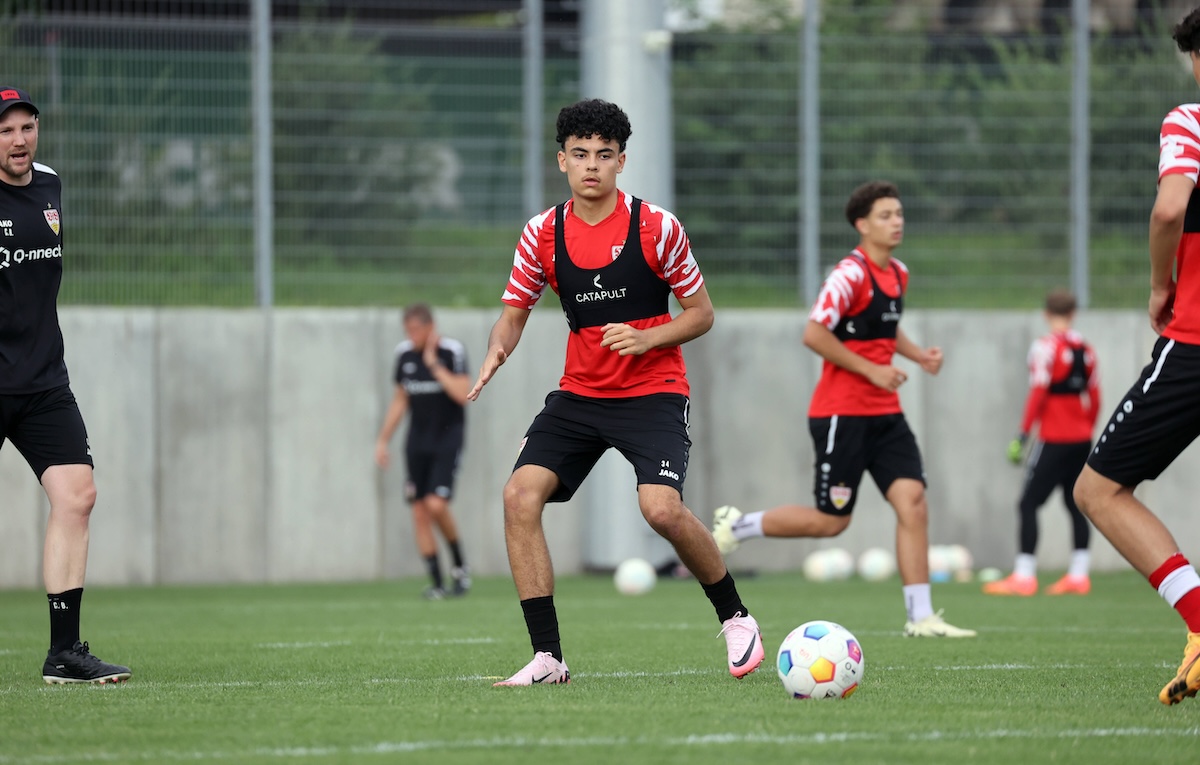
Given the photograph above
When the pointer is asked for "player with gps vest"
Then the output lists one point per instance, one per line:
(1063, 401)
(854, 416)
(614, 261)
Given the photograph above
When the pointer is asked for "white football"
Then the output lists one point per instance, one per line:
(841, 563)
(635, 577)
(828, 565)
(941, 564)
(820, 660)
(818, 567)
(876, 564)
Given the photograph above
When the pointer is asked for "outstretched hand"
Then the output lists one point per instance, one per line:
(495, 359)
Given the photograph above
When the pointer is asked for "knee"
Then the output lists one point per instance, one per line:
(521, 504)
(833, 525)
(420, 511)
(913, 511)
(77, 503)
(1086, 492)
(665, 518)
(436, 506)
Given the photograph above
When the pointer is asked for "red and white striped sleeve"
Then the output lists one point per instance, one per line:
(674, 254)
(1179, 142)
(838, 292)
(527, 281)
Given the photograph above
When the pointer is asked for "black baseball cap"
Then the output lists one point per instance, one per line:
(10, 97)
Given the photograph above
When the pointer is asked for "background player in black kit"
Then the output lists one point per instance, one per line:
(38, 412)
(432, 383)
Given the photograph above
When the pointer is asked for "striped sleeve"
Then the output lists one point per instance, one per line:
(1179, 142)
(838, 292)
(1041, 361)
(674, 253)
(527, 281)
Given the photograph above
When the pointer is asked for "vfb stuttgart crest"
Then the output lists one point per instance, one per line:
(840, 495)
(51, 219)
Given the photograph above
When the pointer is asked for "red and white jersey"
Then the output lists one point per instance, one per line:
(1062, 418)
(1179, 153)
(591, 370)
(847, 291)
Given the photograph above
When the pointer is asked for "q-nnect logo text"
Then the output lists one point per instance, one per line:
(17, 257)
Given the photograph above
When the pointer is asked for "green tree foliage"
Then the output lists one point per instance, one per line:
(976, 130)
(350, 164)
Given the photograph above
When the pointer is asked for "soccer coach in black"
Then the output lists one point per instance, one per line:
(38, 412)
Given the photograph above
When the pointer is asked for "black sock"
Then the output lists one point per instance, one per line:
(455, 553)
(435, 569)
(64, 619)
(542, 621)
(724, 597)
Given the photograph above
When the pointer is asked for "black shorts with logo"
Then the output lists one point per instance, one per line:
(1156, 420)
(571, 433)
(847, 446)
(432, 470)
(46, 427)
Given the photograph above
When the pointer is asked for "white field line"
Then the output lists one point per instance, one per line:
(608, 742)
(137, 684)
(338, 643)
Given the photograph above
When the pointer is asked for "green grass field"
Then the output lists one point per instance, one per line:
(369, 673)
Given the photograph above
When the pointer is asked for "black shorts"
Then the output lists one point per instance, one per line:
(46, 427)
(571, 433)
(846, 446)
(1051, 466)
(432, 470)
(1156, 420)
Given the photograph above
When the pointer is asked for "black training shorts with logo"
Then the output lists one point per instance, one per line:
(847, 446)
(46, 427)
(433, 464)
(571, 433)
(1156, 419)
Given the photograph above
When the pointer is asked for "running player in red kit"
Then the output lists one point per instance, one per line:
(614, 261)
(1063, 401)
(1157, 418)
(854, 416)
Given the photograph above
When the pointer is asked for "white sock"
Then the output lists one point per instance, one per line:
(1026, 565)
(918, 601)
(748, 526)
(1080, 563)
(1178, 583)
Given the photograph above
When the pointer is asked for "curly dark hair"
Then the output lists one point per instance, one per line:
(863, 198)
(1187, 32)
(585, 119)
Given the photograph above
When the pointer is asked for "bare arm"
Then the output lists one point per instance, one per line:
(821, 340)
(391, 420)
(505, 335)
(1166, 227)
(930, 359)
(694, 320)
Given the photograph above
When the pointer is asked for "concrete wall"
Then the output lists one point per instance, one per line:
(236, 446)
